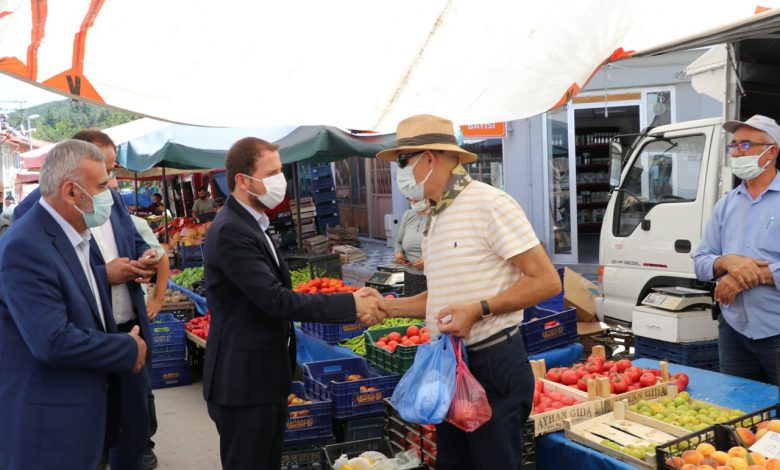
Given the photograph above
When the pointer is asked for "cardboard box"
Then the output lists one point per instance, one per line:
(579, 293)
(586, 330)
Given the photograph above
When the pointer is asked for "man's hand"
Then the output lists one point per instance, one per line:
(400, 258)
(122, 270)
(745, 270)
(370, 306)
(141, 359)
(419, 264)
(458, 319)
(727, 289)
(153, 306)
(147, 265)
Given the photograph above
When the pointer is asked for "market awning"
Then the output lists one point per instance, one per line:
(324, 144)
(353, 64)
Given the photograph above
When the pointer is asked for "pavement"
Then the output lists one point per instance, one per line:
(186, 437)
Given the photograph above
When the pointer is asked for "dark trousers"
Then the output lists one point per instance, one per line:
(152, 420)
(127, 453)
(250, 437)
(739, 355)
(504, 372)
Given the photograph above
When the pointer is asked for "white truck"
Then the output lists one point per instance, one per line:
(666, 186)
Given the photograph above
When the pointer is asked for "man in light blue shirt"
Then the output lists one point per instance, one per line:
(740, 248)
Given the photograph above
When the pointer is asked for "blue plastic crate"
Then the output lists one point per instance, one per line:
(328, 380)
(171, 374)
(323, 183)
(166, 330)
(358, 429)
(320, 171)
(554, 303)
(699, 354)
(323, 196)
(314, 422)
(324, 222)
(190, 252)
(169, 352)
(330, 206)
(538, 337)
(333, 333)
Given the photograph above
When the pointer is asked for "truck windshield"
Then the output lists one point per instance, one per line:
(665, 171)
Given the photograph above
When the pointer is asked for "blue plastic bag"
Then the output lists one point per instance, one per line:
(425, 392)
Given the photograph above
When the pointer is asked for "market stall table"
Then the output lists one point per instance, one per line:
(200, 301)
(556, 451)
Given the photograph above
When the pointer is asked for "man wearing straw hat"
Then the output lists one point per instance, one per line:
(484, 265)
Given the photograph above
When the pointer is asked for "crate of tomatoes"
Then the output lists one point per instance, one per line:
(393, 349)
(330, 333)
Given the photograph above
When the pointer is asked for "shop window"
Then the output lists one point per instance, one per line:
(488, 167)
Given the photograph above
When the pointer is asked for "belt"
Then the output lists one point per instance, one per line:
(498, 338)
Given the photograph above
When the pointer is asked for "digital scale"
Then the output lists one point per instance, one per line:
(387, 278)
(675, 315)
(678, 299)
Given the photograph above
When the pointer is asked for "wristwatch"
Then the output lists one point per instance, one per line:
(485, 308)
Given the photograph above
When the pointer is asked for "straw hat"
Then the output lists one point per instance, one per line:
(426, 132)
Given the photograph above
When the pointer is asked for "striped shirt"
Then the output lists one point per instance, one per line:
(466, 253)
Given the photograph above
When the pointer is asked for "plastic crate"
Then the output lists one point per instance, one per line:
(699, 354)
(304, 455)
(316, 424)
(166, 330)
(538, 337)
(319, 172)
(328, 206)
(722, 436)
(184, 311)
(169, 352)
(323, 183)
(325, 195)
(353, 449)
(358, 429)
(327, 264)
(331, 220)
(195, 357)
(333, 333)
(554, 303)
(327, 380)
(403, 436)
(170, 374)
(400, 361)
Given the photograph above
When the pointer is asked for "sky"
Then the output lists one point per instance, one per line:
(12, 89)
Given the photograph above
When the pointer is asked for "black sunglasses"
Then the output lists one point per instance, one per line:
(403, 158)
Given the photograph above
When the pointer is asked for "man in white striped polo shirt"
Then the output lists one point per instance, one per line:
(484, 265)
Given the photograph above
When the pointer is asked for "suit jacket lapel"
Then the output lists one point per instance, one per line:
(68, 253)
(247, 217)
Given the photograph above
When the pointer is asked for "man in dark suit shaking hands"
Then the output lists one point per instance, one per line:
(250, 357)
(59, 344)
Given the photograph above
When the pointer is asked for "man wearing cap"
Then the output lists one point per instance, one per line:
(739, 249)
(484, 265)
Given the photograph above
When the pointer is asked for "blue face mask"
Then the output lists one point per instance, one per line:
(408, 185)
(101, 208)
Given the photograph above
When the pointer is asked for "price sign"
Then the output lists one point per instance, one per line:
(768, 446)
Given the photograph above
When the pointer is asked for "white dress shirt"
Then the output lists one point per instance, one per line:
(121, 302)
(80, 242)
(264, 223)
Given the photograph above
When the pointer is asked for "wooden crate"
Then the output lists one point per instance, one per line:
(618, 426)
(554, 420)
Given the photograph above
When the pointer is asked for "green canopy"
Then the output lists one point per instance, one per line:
(325, 144)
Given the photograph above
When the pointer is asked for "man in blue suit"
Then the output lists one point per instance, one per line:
(124, 260)
(59, 345)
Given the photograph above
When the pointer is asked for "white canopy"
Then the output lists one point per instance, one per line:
(350, 63)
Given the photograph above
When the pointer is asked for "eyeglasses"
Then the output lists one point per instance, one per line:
(744, 145)
(403, 158)
(111, 174)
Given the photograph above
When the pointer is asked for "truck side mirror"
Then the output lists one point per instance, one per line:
(615, 163)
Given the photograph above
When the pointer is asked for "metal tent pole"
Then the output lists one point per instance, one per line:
(135, 183)
(165, 198)
(297, 196)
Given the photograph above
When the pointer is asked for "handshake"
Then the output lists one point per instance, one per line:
(371, 306)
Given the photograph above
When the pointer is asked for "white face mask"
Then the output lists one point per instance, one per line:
(408, 185)
(746, 167)
(420, 206)
(276, 188)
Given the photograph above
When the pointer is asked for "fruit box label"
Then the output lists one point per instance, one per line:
(352, 327)
(300, 423)
(649, 393)
(551, 421)
(368, 397)
(768, 446)
(557, 331)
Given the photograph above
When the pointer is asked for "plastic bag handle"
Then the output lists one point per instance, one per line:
(456, 345)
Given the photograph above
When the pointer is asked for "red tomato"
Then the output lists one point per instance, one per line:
(394, 336)
(623, 364)
(413, 330)
(682, 377)
(389, 348)
(539, 386)
(680, 385)
(635, 372)
(618, 385)
(393, 343)
(415, 339)
(607, 365)
(554, 374)
(647, 379)
(425, 337)
(570, 377)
